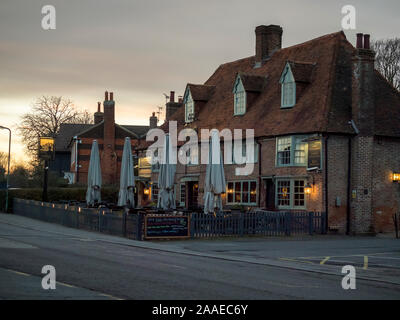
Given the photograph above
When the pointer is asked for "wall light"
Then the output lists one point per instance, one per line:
(308, 189)
(396, 177)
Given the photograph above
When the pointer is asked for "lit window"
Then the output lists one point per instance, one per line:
(239, 95)
(290, 194)
(242, 192)
(182, 194)
(288, 86)
(291, 151)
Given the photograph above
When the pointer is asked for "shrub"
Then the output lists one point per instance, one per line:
(108, 194)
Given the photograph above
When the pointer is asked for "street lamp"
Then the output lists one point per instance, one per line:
(8, 164)
(46, 153)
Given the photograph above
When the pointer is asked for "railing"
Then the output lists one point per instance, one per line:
(100, 220)
(262, 223)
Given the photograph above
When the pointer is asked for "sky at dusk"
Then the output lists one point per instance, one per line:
(142, 49)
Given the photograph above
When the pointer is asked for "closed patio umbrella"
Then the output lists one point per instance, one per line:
(214, 182)
(127, 179)
(93, 193)
(166, 178)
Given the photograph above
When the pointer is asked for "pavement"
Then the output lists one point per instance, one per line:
(97, 266)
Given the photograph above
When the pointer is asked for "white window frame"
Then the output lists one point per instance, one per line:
(189, 107)
(291, 194)
(241, 192)
(287, 81)
(239, 93)
(182, 204)
(294, 141)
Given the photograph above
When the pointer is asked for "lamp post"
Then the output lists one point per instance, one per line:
(8, 164)
(46, 153)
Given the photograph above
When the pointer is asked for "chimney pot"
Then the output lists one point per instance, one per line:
(106, 96)
(172, 96)
(98, 106)
(111, 96)
(366, 41)
(359, 40)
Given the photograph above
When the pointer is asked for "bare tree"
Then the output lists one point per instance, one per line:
(45, 118)
(387, 60)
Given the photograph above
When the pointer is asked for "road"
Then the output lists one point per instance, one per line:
(88, 267)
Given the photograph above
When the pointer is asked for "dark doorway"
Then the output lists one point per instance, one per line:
(192, 193)
(270, 194)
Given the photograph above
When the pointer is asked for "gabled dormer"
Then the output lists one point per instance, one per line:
(196, 95)
(294, 79)
(245, 90)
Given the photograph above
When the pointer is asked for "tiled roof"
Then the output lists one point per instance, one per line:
(252, 82)
(67, 131)
(201, 92)
(138, 130)
(314, 108)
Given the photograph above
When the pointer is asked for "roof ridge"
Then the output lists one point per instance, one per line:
(330, 35)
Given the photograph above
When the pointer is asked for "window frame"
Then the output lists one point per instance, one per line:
(287, 78)
(291, 205)
(293, 149)
(182, 204)
(189, 99)
(241, 182)
(238, 88)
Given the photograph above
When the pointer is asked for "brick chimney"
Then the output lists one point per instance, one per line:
(109, 159)
(98, 116)
(363, 114)
(153, 121)
(363, 107)
(171, 106)
(268, 40)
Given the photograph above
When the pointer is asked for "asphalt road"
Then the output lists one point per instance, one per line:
(89, 268)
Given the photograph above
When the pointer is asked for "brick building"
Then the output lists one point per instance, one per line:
(324, 119)
(74, 143)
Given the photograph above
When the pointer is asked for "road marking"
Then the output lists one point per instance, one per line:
(295, 260)
(365, 263)
(110, 296)
(324, 260)
(66, 284)
(17, 272)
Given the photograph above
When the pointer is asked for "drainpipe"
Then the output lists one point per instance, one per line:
(348, 188)
(326, 182)
(259, 173)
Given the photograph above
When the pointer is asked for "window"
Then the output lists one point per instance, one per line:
(290, 194)
(144, 167)
(182, 194)
(291, 151)
(189, 107)
(154, 192)
(193, 156)
(288, 88)
(242, 192)
(155, 164)
(239, 96)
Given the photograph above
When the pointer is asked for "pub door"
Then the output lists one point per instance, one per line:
(270, 194)
(193, 192)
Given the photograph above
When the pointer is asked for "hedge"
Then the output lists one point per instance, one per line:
(108, 194)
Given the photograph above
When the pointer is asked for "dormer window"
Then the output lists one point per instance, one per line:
(288, 85)
(189, 107)
(239, 97)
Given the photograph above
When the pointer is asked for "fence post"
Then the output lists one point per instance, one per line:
(124, 216)
(288, 223)
(241, 224)
(76, 216)
(139, 221)
(311, 222)
(192, 217)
